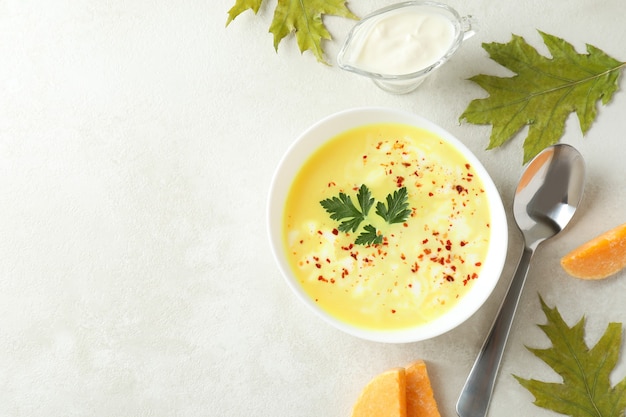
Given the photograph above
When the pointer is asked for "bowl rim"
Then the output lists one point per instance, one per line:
(327, 128)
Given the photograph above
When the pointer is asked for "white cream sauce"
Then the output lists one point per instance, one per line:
(406, 42)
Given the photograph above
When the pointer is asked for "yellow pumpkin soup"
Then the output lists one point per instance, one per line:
(386, 226)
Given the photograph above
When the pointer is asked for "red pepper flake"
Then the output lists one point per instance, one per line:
(405, 224)
(403, 256)
(318, 266)
(378, 145)
(364, 157)
(331, 184)
(415, 267)
(332, 280)
(321, 278)
(406, 164)
(478, 263)
(425, 241)
(393, 311)
(449, 278)
(353, 255)
(430, 194)
(460, 189)
(319, 232)
(463, 243)
(327, 260)
(335, 232)
(428, 251)
(399, 181)
(468, 166)
(448, 245)
(344, 273)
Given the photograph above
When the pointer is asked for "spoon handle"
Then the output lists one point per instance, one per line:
(476, 394)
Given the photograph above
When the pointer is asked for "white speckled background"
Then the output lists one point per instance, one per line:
(137, 144)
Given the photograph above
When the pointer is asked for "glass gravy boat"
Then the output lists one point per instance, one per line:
(403, 80)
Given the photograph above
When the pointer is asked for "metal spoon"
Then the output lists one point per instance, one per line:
(545, 201)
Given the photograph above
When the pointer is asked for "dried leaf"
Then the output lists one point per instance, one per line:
(585, 390)
(304, 18)
(241, 6)
(543, 92)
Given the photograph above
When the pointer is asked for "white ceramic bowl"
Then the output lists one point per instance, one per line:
(328, 128)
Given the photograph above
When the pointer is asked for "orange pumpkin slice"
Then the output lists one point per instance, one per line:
(385, 395)
(599, 258)
(398, 392)
(420, 400)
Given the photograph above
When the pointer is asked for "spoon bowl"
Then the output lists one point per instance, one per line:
(545, 201)
(548, 193)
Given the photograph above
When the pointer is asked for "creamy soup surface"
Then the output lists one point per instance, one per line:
(424, 264)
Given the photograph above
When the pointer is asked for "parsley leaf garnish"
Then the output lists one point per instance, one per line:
(342, 207)
(365, 199)
(397, 209)
(369, 237)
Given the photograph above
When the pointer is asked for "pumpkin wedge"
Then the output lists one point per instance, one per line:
(384, 395)
(399, 392)
(420, 400)
(598, 258)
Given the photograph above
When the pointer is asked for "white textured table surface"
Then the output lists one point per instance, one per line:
(137, 144)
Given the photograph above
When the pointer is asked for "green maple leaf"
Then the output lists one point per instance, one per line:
(544, 92)
(241, 6)
(585, 390)
(301, 17)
